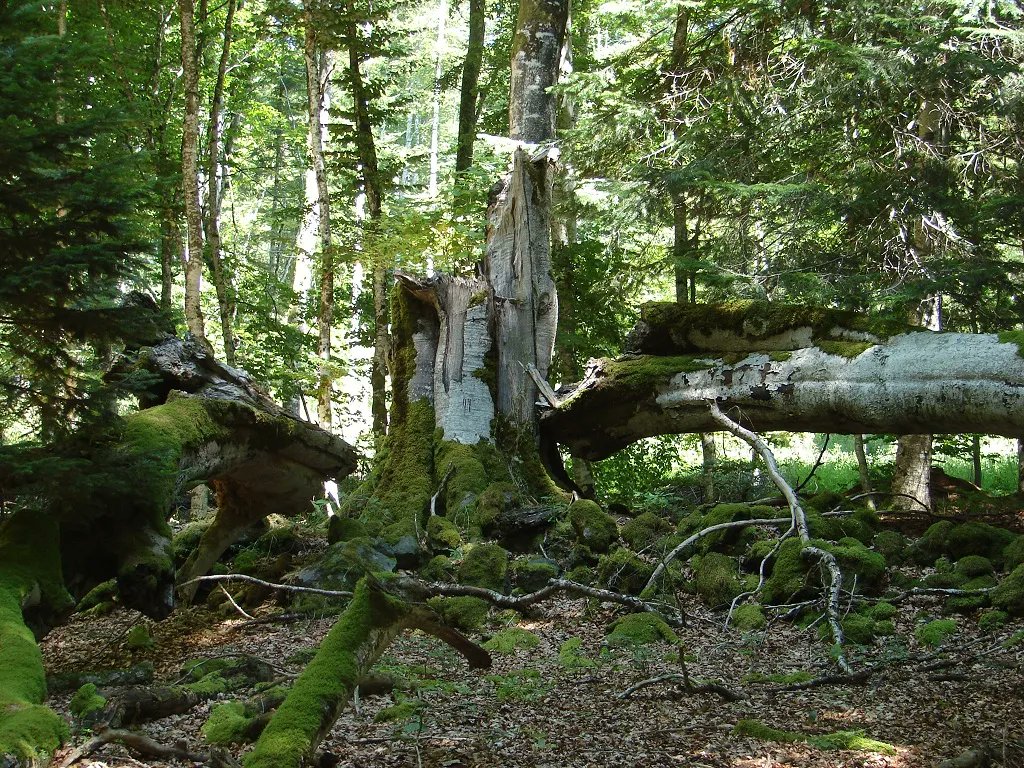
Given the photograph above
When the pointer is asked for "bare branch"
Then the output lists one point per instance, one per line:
(268, 584)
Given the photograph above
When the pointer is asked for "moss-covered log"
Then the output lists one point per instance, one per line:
(372, 620)
(31, 592)
(821, 372)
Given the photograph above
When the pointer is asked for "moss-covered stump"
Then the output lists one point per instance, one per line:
(31, 585)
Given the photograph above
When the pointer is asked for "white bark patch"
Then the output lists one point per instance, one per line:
(464, 406)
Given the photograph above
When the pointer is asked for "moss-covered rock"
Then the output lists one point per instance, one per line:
(892, 545)
(439, 568)
(86, 702)
(495, 499)
(644, 530)
(973, 566)
(485, 565)
(729, 540)
(716, 579)
(936, 632)
(465, 613)
(443, 534)
(882, 610)
(511, 640)
(749, 616)
(139, 638)
(1013, 553)
(990, 621)
(970, 603)
(584, 574)
(1009, 595)
(623, 571)
(595, 528)
(227, 724)
(639, 629)
(788, 578)
(857, 563)
(858, 628)
(469, 476)
(958, 541)
(530, 574)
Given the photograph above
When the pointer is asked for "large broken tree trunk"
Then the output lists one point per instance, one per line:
(794, 369)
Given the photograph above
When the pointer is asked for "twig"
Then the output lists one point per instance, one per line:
(423, 589)
(136, 742)
(236, 605)
(817, 463)
(720, 690)
(269, 584)
(832, 602)
(440, 489)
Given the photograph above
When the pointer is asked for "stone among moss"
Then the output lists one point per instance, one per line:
(439, 568)
(226, 724)
(959, 541)
(729, 540)
(511, 640)
(857, 563)
(858, 628)
(584, 574)
(86, 701)
(716, 579)
(443, 534)
(935, 633)
(973, 566)
(788, 578)
(644, 529)
(344, 529)
(485, 565)
(139, 638)
(970, 603)
(1009, 595)
(1013, 554)
(990, 621)
(495, 499)
(639, 629)
(748, 617)
(532, 574)
(595, 528)
(624, 571)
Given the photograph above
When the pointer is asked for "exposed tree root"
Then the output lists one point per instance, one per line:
(688, 687)
(143, 746)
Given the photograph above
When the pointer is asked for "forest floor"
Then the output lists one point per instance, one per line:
(535, 709)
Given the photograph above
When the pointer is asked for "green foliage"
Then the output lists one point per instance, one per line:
(402, 710)
(882, 610)
(639, 629)
(511, 640)
(936, 632)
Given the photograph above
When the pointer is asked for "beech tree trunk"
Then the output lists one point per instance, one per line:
(190, 172)
(540, 29)
(470, 85)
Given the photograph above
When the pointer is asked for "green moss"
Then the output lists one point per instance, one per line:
(439, 568)
(226, 724)
(594, 527)
(344, 529)
(748, 617)
(851, 740)
(494, 500)
(644, 529)
(406, 709)
(86, 701)
(973, 566)
(935, 633)
(187, 539)
(892, 545)
(485, 565)
(31, 732)
(328, 679)
(885, 628)
(584, 574)
(1013, 553)
(857, 562)
(570, 656)
(442, 533)
(511, 640)
(731, 540)
(716, 579)
(858, 629)
(959, 541)
(639, 629)
(469, 477)
(788, 578)
(1009, 595)
(1013, 337)
(779, 357)
(990, 621)
(945, 580)
(623, 571)
(847, 349)
(139, 638)
(465, 613)
(882, 610)
(533, 574)
(209, 685)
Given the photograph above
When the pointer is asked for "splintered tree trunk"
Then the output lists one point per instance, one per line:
(519, 273)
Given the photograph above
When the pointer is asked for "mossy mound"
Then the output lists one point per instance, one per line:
(623, 571)
(639, 629)
(344, 563)
(227, 724)
(851, 740)
(86, 701)
(1013, 553)
(971, 603)
(788, 578)
(892, 545)
(532, 574)
(990, 621)
(644, 530)
(443, 534)
(958, 541)
(595, 529)
(469, 476)
(511, 640)
(1009, 595)
(187, 539)
(973, 566)
(748, 617)
(485, 565)
(139, 638)
(439, 568)
(344, 529)
(465, 613)
(857, 563)
(716, 579)
(858, 628)
(495, 499)
(936, 632)
(571, 657)
(882, 610)
(730, 540)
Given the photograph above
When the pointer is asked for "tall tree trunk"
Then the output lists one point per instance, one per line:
(316, 75)
(470, 85)
(976, 459)
(540, 29)
(911, 473)
(221, 278)
(190, 173)
(435, 118)
(367, 149)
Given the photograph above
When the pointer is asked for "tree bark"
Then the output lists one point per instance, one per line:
(470, 85)
(911, 473)
(190, 172)
(221, 277)
(790, 380)
(540, 29)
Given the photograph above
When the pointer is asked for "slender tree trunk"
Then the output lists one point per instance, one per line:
(1020, 465)
(367, 150)
(190, 173)
(435, 118)
(862, 468)
(976, 459)
(470, 85)
(221, 278)
(316, 75)
(170, 255)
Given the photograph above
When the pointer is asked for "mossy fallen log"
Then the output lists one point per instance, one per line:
(372, 620)
(31, 591)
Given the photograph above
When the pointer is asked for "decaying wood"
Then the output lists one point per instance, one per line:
(144, 746)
